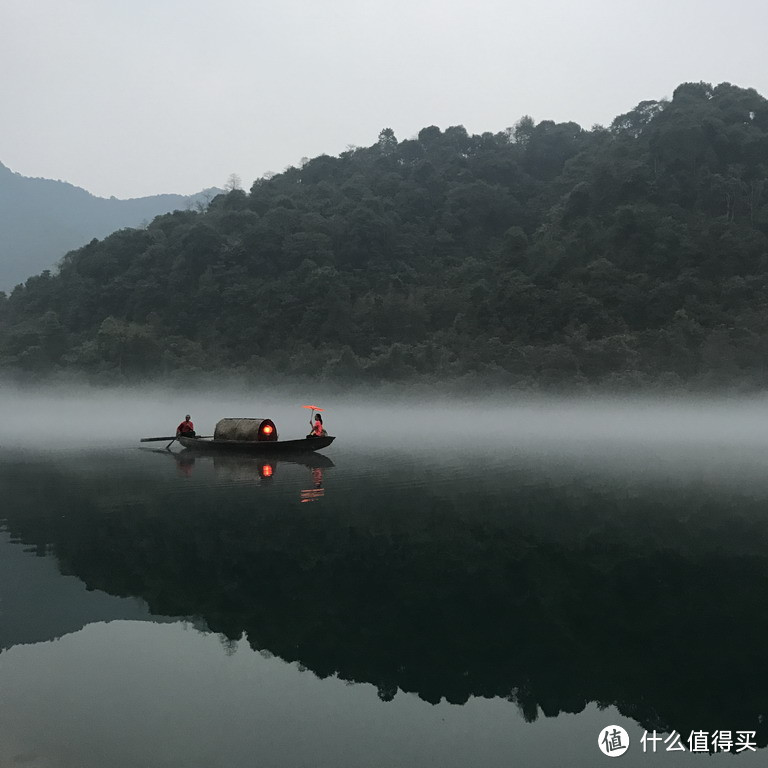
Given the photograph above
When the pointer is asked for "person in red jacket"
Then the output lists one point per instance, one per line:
(186, 428)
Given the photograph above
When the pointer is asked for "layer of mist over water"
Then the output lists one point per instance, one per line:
(86, 416)
(638, 437)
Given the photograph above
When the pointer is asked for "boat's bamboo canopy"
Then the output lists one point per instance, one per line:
(253, 430)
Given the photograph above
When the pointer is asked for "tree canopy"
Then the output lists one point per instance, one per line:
(542, 254)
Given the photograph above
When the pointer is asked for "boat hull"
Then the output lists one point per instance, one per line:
(264, 448)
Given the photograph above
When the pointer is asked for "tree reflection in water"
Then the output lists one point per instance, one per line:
(551, 596)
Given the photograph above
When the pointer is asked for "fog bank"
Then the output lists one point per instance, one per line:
(84, 417)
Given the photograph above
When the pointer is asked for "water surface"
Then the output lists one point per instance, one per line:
(455, 586)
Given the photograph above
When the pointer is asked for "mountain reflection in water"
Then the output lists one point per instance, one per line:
(449, 578)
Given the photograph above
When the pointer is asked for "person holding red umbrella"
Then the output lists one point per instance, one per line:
(317, 425)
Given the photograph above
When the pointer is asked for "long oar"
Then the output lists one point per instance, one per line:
(161, 439)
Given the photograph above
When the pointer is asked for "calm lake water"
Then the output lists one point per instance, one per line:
(452, 586)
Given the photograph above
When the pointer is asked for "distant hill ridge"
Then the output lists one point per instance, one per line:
(42, 219)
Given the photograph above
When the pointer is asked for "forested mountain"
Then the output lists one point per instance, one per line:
(42, 219)
(539, 255)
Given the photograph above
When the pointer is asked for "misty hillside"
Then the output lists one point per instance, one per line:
(538, 255)
(41, 219)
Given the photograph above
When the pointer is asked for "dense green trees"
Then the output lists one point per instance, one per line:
(539, 255)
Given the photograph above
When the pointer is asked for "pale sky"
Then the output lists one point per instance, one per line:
(140, 97)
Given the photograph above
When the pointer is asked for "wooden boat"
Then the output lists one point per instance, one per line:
(263, 447)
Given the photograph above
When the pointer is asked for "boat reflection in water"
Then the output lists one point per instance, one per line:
(244, 468)
(185, 463)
